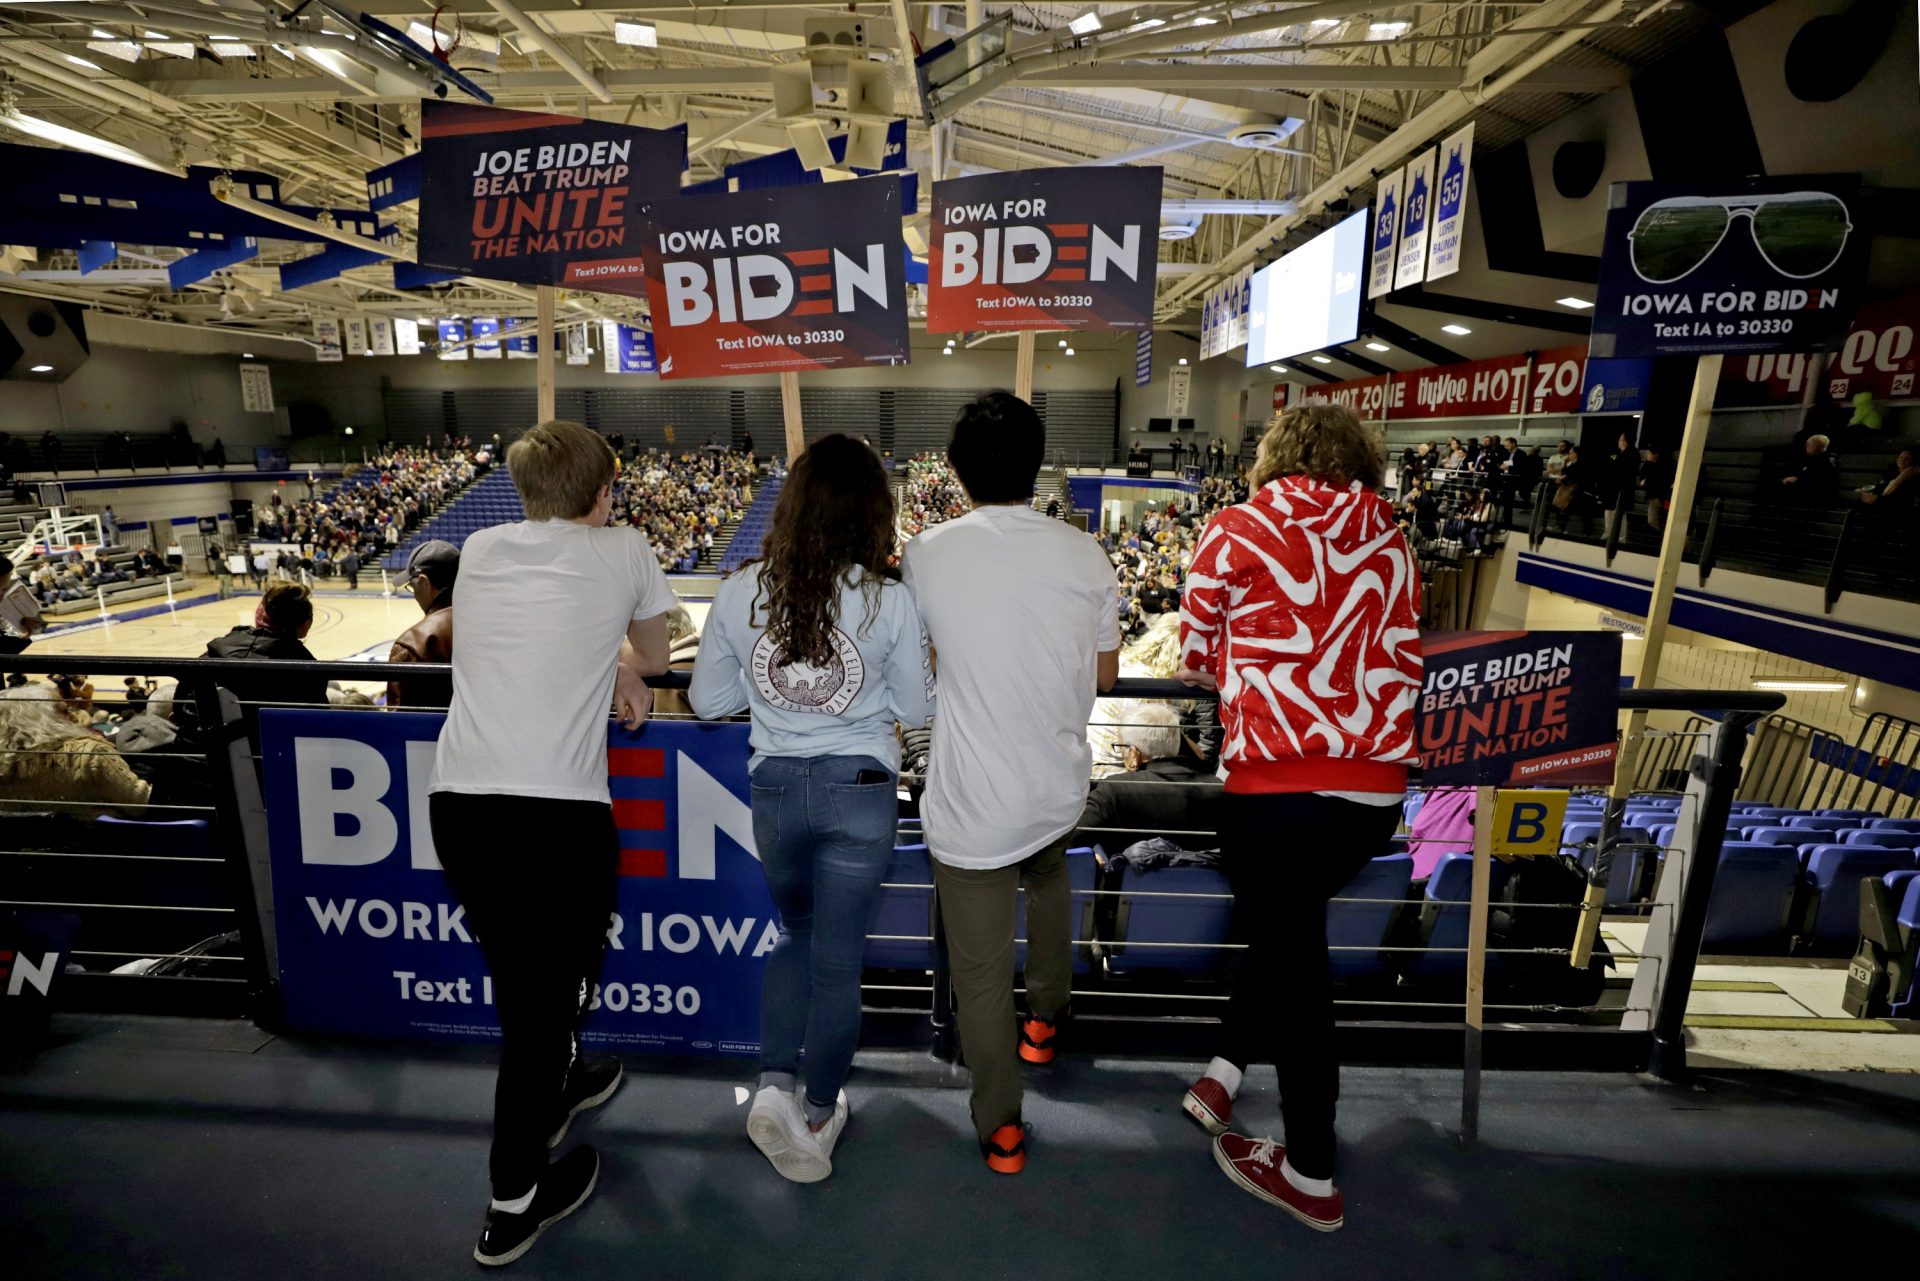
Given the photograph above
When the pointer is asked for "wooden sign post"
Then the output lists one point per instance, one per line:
(790, 414)
(1023, 367)
(1477, 962)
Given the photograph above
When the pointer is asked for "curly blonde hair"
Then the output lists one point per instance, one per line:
(1323, 441)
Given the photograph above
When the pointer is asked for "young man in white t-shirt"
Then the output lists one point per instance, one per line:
(1023, 613)
(561, 617)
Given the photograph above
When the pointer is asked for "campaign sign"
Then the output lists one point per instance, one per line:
(1072, 248)
(539, 198)
(35, 949)
(795, 278)
(1519, 708)
(373, 943)
(1750, 265)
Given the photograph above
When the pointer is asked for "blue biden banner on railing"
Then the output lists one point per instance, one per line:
(372, 941)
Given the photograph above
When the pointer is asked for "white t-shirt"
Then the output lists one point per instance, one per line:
(539, 611)
(1018, 608)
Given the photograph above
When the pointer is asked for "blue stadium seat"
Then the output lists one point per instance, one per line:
(1144, 917)
(1365, 924)
(1633, 844)
(1819, 823)
(1831, 926)
(1860, 814)
(1083, 872)
(1752, 901)
(1894, 824)
(904, 908)
(1793, 836)
(1450, 887)
(1881, 836)
(1905, 1007)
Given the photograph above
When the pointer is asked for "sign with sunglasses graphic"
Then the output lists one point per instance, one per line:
(1767, 264)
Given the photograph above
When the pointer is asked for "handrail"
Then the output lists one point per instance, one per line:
(1836, 568)
(1707, 543)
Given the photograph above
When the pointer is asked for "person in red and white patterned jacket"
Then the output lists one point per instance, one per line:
(1300, 609)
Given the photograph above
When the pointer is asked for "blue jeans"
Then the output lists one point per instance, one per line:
(825, 842)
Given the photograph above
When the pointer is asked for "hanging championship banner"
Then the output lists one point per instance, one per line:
(373, 942)
(1750, 265)
(1411, 263)
(1500, 708)
(406, 337)
(1069, 248)
(256, 389)
(1386, 234)
(523, 346)
(539, 198)
(1179, 391)
(1450, 205)
(1879, 358)
(380, 336)
(627, 349)
(786, 278)
(326, 339)
(577, 353)
(354, 336)
(1143, 358)
(452, 331)
(486, 337)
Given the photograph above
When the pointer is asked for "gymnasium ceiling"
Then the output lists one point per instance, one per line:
(1339, 90)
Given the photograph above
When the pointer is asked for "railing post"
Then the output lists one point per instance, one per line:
(1537, 527)
(229, 840)
(1707, 543)
(1616, 524)
(1719, 770)
(1836, 570)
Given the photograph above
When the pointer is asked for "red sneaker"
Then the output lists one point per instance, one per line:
(1254, 1164)
(1036, 1039)
(1006, 1150)
(1209, 1103)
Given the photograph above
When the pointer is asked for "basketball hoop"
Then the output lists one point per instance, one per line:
(447, 37)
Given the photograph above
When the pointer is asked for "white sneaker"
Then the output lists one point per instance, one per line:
(829, 1134)
(776, 1127)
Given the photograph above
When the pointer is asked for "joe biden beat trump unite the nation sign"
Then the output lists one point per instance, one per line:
(1045, 249)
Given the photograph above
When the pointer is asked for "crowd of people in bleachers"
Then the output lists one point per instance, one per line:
(370, 511)
(932, 494)
(74, 575)
(684, 502)
(1151, 556)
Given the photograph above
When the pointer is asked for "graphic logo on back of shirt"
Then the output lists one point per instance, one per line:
(806, 687)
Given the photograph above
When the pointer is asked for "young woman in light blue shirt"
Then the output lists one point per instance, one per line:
(821, 641)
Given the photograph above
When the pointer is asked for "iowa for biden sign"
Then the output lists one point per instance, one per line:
(372, 941)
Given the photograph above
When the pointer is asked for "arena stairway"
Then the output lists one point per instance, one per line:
(491, 500)
(1052, 485)
(744, 544)
(710, 559)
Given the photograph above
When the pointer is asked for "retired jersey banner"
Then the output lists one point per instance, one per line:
(1386, 234)
(1450, 204)
(372, 942)
(538, 198)
(786, 278)
(1746, 265)
(1072, 248)
(1519, 708)
(1878, 357)
(1411, 261)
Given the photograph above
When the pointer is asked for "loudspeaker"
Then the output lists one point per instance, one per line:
(792, 91)
(869, 93)
(866, 143)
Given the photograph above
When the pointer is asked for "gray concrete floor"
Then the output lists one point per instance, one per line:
(142, 1148)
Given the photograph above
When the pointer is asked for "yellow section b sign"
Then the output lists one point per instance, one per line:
(1528, 822)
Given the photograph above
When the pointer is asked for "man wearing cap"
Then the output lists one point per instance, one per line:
(430, 574)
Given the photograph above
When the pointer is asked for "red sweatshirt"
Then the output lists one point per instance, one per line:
(1301, 602)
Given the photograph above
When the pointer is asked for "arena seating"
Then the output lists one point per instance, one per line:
(491, 500)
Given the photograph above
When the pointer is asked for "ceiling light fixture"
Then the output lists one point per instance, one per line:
(946, 351)
(1387, 30)
(1455, 329)
(1086, 24)
(1378, 346)
(1061, 343)
(98, 34)
(1205, 22)
(1578, 304)
(246, 355)
(47, 131)
(1070, 351)
(1801, 687)
(643, 34)
(1278, 369)
(1321, 24)
(81, 62)
(1183, 360)
(43, 369)
(1321, 360)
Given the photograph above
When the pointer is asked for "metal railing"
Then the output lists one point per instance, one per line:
(235, 941)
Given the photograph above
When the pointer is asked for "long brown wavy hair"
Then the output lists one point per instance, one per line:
(834, 518)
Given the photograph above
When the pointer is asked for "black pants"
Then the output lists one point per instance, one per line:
(537, 880)
(1286, 854)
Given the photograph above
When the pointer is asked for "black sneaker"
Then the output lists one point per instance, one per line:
(591, 1082)
(563, 1189)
